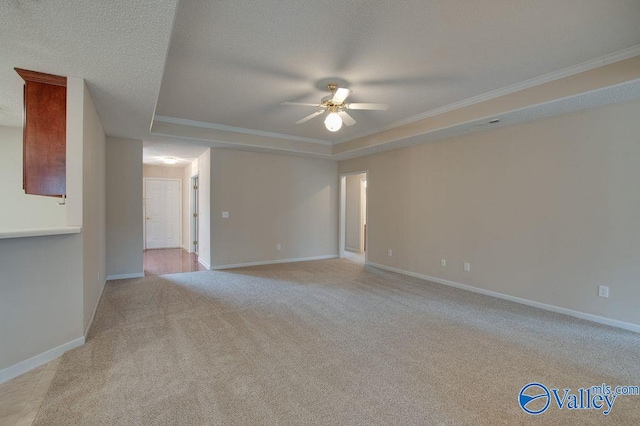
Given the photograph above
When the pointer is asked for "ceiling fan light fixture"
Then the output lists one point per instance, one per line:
(333, 122)
(170, 160)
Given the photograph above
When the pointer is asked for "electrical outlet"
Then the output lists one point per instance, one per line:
(278, 247)
(603, 291)
(390, 252)
(467, 266)
(225, 215)
(443, 263)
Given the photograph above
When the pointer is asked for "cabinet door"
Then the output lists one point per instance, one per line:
(45, 133)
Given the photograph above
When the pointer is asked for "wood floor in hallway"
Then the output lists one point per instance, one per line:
(170, 261)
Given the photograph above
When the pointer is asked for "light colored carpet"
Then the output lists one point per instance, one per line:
(327, 342)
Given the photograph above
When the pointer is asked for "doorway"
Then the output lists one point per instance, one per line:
(353, 216)
(163, 213)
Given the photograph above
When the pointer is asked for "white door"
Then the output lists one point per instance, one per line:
(162, 215)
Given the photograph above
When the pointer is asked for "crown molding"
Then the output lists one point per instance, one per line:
(536, 81)
(222, 127)
(215, 143)
(596, 98)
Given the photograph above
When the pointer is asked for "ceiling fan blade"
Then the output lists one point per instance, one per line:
(380, 107)
(346, 118)
(300, 104)
(309, 117)
(340, 95)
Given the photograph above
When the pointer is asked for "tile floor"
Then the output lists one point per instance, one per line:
(21, 397)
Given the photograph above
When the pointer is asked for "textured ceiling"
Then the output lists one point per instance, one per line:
(155, 149)
(118, 46)
(233, 62)
(230, 64)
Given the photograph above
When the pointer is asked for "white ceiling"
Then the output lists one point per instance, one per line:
(155, 149)
(118, 46)
(230, 64)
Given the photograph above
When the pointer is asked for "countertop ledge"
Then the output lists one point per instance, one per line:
(39, 232)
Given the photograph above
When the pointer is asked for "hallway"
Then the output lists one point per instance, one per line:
(170, 261)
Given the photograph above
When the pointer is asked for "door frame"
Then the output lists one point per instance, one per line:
(194, 222)
(144, 208)
(343, 213)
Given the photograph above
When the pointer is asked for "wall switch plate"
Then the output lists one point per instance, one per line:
(467, 266)
(390, 252)
(278, 247)
(443, 263)
(603, 291)
(225, 215)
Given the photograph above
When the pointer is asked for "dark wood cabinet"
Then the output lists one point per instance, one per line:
(45, 133)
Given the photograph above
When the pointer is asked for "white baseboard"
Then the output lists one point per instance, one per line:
(271, 262)
(95, 309)
(546, 307)
(125, 276)
(352, 249)
(203, 263)
(38, 360)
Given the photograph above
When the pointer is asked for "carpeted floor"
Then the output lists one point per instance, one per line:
(328, 342)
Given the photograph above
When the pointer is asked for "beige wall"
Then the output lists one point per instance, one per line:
(353, 217)
(271, 199)
(124, 207)
(545, 210)
(41, 301)
(93, 207)
(162, 172)
(49, 286)
(22, 211)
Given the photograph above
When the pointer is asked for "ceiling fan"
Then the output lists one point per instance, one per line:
(336, 107)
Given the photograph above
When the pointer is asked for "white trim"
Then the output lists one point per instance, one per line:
(620, 55)
(125, 276)
(144, 208)
(225, 128)
(95, 309)
(215, 143)
(40, 232)
(203, 263)
(539, 305)
(363, 212)
(353, 249)
(36, 361)
(271, 262)
(576, 103)
(193, 202)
